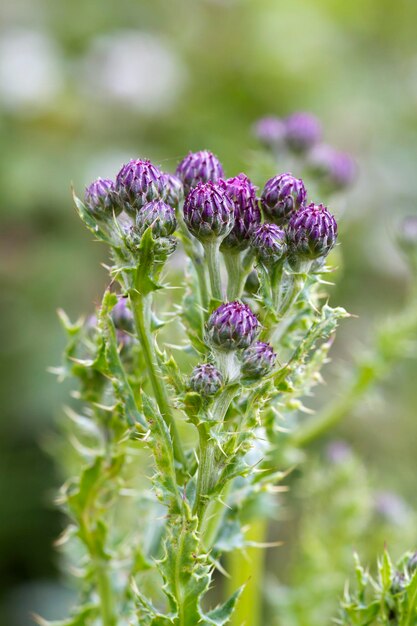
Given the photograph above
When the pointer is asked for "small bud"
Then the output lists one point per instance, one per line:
(208, 212)
(270, 131)
(205, 380)
(269, 243)
(247, 215)
(232, 326)
(282, 195)
(159, 215)
(398, 583)
(312, 232)
(412, 563)
(302, 131)
(137, 183)
(122, 316)
(336, 170)
(99, 199)
(407, 235)
(172, 190)
(258, 360)
(199, 167)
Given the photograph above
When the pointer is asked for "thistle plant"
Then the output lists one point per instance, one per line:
(214, 325)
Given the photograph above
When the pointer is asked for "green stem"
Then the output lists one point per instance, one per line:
(207, 468)
(212, 253)
(248, 569)
(141, 313)
(190, 247)
(105, 593)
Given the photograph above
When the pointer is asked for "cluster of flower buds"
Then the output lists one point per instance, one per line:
(301, 134)
(298, 132)
(219, 209)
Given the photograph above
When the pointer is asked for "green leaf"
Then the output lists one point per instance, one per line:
(93, 225)
(222, 614)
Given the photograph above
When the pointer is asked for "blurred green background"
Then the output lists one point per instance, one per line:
(86, 85)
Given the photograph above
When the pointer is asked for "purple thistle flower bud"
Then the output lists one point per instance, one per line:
(270, 131)
(199, 167)
(302, 131)
(159, 215)
(172, 189)
(258, 360)
(208, 212)
(232, 326)
(99, 198)
(282, 195)
(137, 183)
(122, 316)
(407, 235)
(205, 380)
(270, 243)
(412, 563)
(312, 232)
(246, 211)
(336, 169)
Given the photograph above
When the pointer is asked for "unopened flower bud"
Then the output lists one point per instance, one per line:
(99, 199)
(232, 326)
(247, 215)
(412, 563)
(137, 183)
(302, 131)
(199, 167)
(208, 212)
(122, 316)
(258, 360)
(336, 170)
(172, 190)
(159, 216)
(407, 235)
(205, 380)
(282, 195)
(270, 131)
(269, 243)
(312, 232)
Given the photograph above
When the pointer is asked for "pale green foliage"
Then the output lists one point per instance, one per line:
(389, 597)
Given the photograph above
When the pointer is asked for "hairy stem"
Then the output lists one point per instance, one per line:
(197, 259)
(141, 313)
(212, 253)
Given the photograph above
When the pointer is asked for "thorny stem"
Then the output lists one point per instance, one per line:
(212, 253)
(141, 311)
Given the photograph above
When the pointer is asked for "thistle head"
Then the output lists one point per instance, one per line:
(199, 167)
(208, 212)
(138, 183)
(270, 131)
(312, 233)
(337, 170)
(247, 215)
(258, 360)
(282, 195)
(99, 199)
(205, 380)
(122, 316)
(159, 215)
(269, 243)
(302, 131)
(232, 326)
(172, 190)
